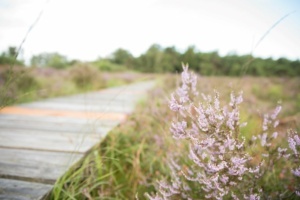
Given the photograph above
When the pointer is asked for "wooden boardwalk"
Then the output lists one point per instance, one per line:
(40, 141)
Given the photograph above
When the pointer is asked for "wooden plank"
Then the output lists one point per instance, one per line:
(41, 166)
(22, 190)
(94, 128)
(61, 120)
(40, 141)
(116, 108)
(92, 100)
(18, 110)
(48, 141)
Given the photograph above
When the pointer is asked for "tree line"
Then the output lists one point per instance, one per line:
(161, 60)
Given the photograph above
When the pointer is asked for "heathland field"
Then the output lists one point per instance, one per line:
(135, 157)
(226, 137)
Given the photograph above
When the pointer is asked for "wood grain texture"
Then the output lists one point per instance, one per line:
(41, 166)
(48, 140)
(22, 190)
(40, 141)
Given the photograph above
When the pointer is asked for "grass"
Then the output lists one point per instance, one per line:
(122, 166)
(19, 84)
(127, 163)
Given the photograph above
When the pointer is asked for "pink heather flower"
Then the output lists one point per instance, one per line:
(265, 122)
(274, 135)
(254, 171)
(263, 139)
(238, 161)
(236, 100)
(252, 197)
(297, 193)
(265, 155)
(296, 172)
(276, 123)
(173, 104)
(239, 99)
(224, 179)
(234, 196)
(183, 94)
(239, 146)
(276, 112)
(297, 139)
(281, 150)
(178, 129)
(292, 145)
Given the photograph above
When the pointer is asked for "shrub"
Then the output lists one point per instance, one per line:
(17, 85)
(106, 65)
(85, 76)
(222, 164)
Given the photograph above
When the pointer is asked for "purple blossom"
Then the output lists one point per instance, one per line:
(173, 104)
(276, 112)
(178, 129)
(292, 145)
(297, 139)
(263, 139)
(296, 172)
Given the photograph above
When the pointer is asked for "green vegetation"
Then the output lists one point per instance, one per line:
(162, 60)
(129, 161)
(10, 57)
(54, 60)
(18, 84)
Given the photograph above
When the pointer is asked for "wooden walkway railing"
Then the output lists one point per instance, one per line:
(40, 141)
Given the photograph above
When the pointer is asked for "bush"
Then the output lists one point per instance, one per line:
(17, 85)
(85, 77)
(106, 65)
(221, 163)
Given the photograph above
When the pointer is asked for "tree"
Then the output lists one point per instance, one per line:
(191, 57)
(149, 62)
(122, 57)
(54, 60)
(9, 57)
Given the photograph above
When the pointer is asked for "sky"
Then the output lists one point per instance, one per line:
(89, 29)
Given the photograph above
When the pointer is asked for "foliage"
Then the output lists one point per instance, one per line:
(107, 65)
(18, 85)
(21, 85)
(122, 57)
(10, 57)
(129, 161)
(224, 164)
(161, 60)
(54, 60)
(85, 76)
(123, 164)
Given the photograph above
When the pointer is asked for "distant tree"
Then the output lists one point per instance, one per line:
(170, 61)
(54, 60)
(149, 61)
(192, 57)
(122, 57)
(10, 57)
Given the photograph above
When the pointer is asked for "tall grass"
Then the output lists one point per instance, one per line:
(126, 163)
(19, 84)
(132, 158)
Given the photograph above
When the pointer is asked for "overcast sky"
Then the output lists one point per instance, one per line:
(88, 29)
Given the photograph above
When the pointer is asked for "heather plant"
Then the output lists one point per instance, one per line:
(223, 163)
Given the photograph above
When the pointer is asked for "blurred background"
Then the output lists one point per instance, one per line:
(67, 39)
(87, 30)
